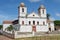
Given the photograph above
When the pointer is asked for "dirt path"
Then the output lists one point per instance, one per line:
(4, 38)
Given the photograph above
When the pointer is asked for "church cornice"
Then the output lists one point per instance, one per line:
(34, 17)
(32, 25)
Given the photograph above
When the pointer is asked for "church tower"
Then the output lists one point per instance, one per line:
(42, 11)
(22, 10)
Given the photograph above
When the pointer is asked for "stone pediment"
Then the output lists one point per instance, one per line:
(33, 14)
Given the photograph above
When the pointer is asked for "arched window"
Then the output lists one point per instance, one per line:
(22, 22)
(43, 11)
(29, 22)
(43, 23)
(33, 22)
(22, 9)
(49, 29)
(37, 23)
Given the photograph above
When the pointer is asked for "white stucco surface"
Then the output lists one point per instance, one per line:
(5, 26)
(52, 26)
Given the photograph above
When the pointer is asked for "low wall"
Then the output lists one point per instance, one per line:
(18, 34)
(8, 34)
(22, 34)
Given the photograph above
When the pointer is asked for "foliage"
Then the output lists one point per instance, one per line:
(57, 22)
(1, 26)
(10, 28)
(48, 15)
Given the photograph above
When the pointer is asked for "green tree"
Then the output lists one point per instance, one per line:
(10, 28)
(48, 15)
(57, 22)
(1, 26)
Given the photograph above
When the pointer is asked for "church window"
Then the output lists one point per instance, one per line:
(49, 29)
(37, 23)
(29, 22)
(33, 22)
(43, 11)
(22, 22)
(33, 15)
(43, 23)
(22, 9)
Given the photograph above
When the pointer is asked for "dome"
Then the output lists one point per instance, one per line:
(42, 7)
(22, 4)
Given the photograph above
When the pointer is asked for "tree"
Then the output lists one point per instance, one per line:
(48, 15)
(10, 28)
(1, 26)
(57, 22)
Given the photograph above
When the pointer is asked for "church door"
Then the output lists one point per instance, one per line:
(34, 28)
(49, 29)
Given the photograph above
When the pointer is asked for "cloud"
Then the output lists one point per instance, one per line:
(7, 17)
(34, 0)
(3, 17)
(58, 14)
(52, 18)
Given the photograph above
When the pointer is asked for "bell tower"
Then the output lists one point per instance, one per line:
(22, 10)
(42, 11)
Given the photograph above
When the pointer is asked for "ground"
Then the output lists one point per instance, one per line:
(54, 37)
(4, 38)
(41, 38)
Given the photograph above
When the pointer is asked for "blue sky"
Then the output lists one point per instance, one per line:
(9, 8)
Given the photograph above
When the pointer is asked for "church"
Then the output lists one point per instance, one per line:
(33, 22)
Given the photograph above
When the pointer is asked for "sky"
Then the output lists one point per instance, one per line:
(9, 8)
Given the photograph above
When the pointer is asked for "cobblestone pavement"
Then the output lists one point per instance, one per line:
(4, 38)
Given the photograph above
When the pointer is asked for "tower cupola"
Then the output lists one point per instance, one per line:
(22, 5)
(42, 7)
(42, 11)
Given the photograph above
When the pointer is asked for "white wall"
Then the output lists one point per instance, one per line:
(52, 26)
(22, 13)
(25, 10)
(43, 15)
(26, 21)
(26, 28)
(5, 26)
(42, 28)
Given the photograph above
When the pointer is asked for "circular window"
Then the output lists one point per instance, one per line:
(33, 15)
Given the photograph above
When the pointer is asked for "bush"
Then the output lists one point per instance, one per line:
(10, 28)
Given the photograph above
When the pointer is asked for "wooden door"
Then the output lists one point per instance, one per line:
(34, 28)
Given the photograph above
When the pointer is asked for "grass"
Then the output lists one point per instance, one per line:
(41, 38)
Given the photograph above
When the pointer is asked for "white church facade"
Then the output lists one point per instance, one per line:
(33, 22)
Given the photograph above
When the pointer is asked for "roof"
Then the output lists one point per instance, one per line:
(15, 22)
(7, 22)
(49, 21)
